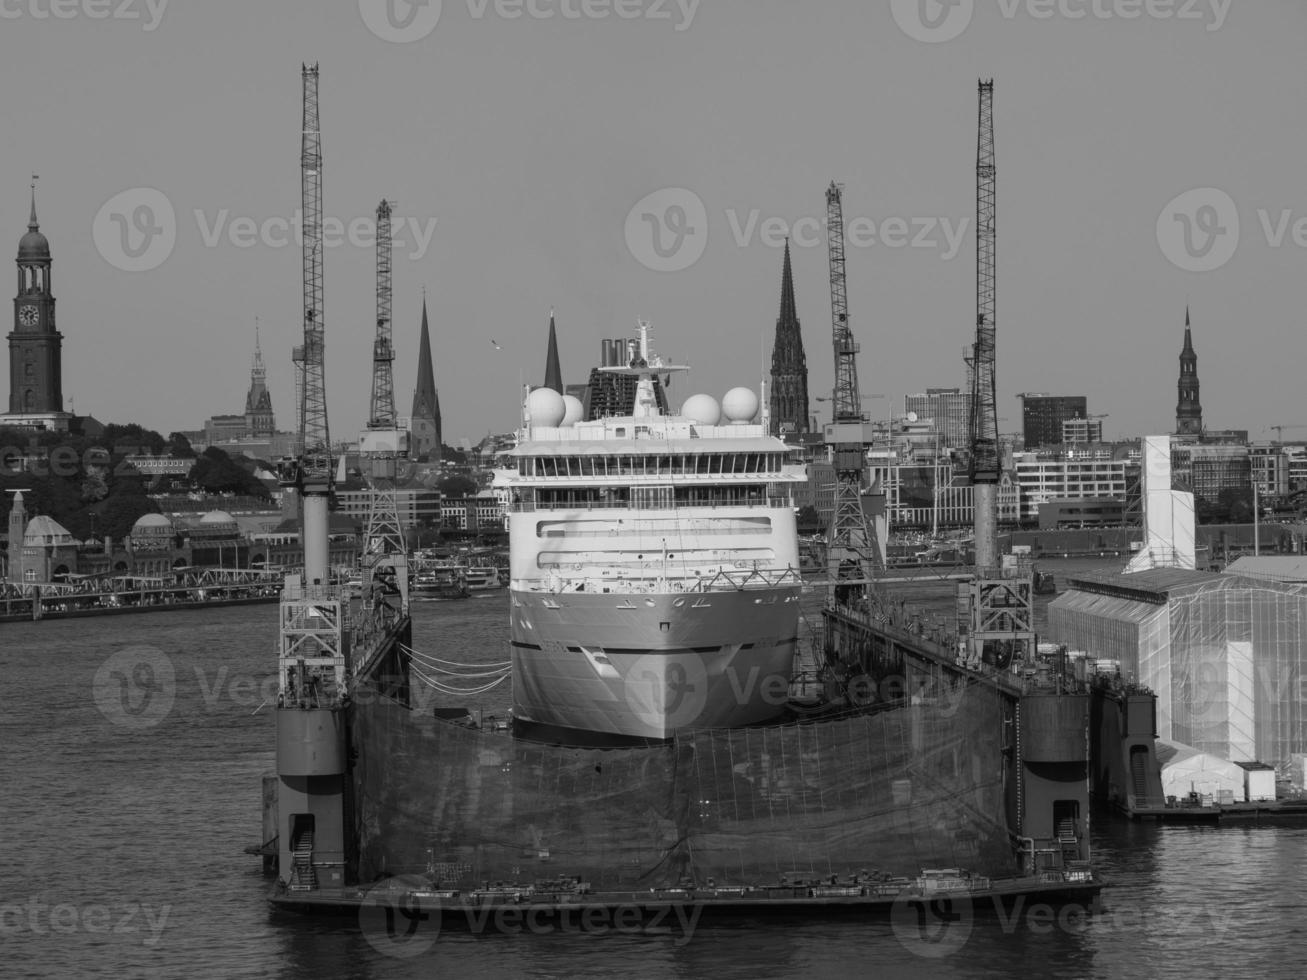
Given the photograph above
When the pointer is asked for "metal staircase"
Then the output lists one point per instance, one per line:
(302, 876)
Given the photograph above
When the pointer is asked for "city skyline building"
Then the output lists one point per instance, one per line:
(950, 411)
(1042, 416)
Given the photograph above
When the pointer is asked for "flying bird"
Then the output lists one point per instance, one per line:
(495, 345)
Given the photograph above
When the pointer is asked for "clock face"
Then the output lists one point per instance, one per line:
(27, 315)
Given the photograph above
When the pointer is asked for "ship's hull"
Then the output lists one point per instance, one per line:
(650, 665)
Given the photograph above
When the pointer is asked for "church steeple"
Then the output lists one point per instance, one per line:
(425, 437)
(789, 365)
(1188, 409)
(35, 345)
(553, 372)
(259, 420)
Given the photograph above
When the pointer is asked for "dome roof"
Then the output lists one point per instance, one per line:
(46, 532)
(152, 524)
(217, 517)
(33, 246)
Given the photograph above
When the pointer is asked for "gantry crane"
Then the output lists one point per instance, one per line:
(852, 550)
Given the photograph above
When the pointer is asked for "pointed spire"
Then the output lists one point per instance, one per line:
(32, 224)
(788, 311)
(424, 395)
(553, 372)
(425, 426)
(788, 400)
(1188, 337)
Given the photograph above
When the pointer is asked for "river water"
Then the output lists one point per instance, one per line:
(123, 831)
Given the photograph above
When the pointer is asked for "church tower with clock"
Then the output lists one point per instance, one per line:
(35, 345)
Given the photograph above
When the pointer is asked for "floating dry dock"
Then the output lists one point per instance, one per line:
(568, 902)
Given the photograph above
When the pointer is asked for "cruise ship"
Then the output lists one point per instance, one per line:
(654, 562)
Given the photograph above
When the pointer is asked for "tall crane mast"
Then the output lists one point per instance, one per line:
(846, 406)
(985, 462)
(383, 445)
(999, 600)
(317, 438)
(309, 473)
(852, 551)
(382, 414)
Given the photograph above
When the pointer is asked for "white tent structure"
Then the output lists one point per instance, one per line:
(1187, 770)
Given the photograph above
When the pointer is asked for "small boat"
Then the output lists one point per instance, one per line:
(443, 580)
(483, 580)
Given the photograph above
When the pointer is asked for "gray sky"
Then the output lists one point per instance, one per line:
(529, 140)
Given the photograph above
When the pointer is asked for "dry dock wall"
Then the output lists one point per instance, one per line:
(891, 791)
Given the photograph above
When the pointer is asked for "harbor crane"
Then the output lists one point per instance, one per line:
(999, 600)
(853, 550)
(383, 445)
(985, 460)
(312, 654)
(1279, 430)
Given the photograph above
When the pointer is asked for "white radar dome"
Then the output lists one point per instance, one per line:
(545, 407)
(573, 410)
(702, 409)
(740, 405)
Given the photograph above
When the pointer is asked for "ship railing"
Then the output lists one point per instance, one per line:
(725, 580)
(756, 578)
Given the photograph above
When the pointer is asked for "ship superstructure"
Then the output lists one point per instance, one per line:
(654, 564)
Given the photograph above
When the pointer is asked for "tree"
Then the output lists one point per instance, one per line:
(457, 486)
(132, 438)
(117, 515)
(179, 446)
(216, 472)
(94, 487)
(1237, 502)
